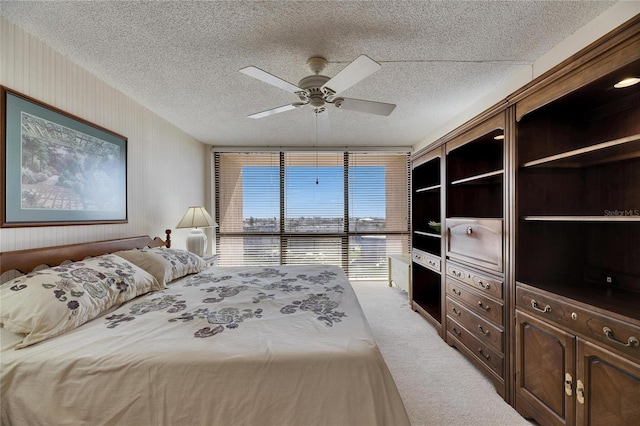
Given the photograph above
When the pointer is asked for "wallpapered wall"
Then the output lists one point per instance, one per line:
(166, 167)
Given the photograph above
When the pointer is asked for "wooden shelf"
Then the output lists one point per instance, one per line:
(478, 178)
(611, 219)
(602, 153)
(428, 188)
(427, 234)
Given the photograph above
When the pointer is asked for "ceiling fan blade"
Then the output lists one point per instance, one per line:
(270, 79)
(275, 110)
(371, 107)
(358, 70)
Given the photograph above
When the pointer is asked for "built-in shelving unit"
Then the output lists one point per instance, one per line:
(535, 274)
(427, 236)
(579, 193)
(577, 244)
(475, 177)
(475, 293)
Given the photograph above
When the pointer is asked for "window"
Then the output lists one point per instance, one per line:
(348, 209)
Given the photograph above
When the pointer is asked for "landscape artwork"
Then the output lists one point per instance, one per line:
(60, 169)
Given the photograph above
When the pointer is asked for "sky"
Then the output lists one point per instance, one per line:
(305, 198)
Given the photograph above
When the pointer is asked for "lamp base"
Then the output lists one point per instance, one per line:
(197, 242)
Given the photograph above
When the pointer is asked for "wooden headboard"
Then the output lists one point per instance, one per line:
(26, 261)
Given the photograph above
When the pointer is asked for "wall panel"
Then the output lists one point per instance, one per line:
(165, 170)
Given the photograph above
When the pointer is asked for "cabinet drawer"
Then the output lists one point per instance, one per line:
(427, 260)
(481, 282)
(483, 352)
(477, 241)
(483, 330)
(481, 305)
(613, 333)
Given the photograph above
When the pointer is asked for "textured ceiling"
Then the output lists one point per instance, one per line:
(181, 59)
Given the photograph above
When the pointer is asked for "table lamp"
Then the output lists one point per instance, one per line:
(196, 217)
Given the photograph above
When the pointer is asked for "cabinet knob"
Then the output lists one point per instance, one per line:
(568, 384)
(580, 392)
(469, 230)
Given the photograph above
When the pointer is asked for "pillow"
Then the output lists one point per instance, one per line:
(165, 264)
(52, 301)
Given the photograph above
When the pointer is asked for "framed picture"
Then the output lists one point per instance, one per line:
(58, 169)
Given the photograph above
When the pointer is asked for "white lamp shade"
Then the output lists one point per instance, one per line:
(196, 217)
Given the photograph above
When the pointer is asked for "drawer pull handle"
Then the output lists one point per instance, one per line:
(483, 331)
(455, 330)
(486, 308)
(455, 311)
(632, 342)
(469, 230)
(457, 273)
(456, 292)
(486, 356)
(486, 286)
(537, 307)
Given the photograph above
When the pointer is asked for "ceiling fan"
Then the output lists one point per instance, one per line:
(319, 91)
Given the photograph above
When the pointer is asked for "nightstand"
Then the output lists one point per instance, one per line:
(400, 272)
(211, 259)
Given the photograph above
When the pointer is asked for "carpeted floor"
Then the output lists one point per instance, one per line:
(438, 385)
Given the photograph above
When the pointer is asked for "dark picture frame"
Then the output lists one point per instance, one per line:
(58, 169)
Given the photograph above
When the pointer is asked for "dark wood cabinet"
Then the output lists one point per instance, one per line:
(458, 220)
(545, 358)
(577, 259)
(535, 276)
(474, 242)
(607, 387)
(426, 219)
(575, 364)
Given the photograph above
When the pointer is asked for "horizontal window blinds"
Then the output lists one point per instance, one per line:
(313, 192)
(378, 211)
(347, 209)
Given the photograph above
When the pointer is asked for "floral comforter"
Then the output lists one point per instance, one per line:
(285, 345)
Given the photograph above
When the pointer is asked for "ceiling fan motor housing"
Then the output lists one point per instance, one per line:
(311, 85)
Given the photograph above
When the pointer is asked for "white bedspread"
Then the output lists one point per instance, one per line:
(230, 346)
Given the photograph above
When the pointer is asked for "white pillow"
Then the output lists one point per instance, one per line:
(52, 301)
(165, 264)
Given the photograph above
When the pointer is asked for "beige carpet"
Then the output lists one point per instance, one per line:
(438, 385)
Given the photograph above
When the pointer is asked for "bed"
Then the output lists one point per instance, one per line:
(199, 345)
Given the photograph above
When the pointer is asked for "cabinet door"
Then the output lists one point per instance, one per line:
(545, 360)
(608, 388)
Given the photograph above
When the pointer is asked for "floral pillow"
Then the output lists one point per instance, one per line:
(52, 301)
(165, 264)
